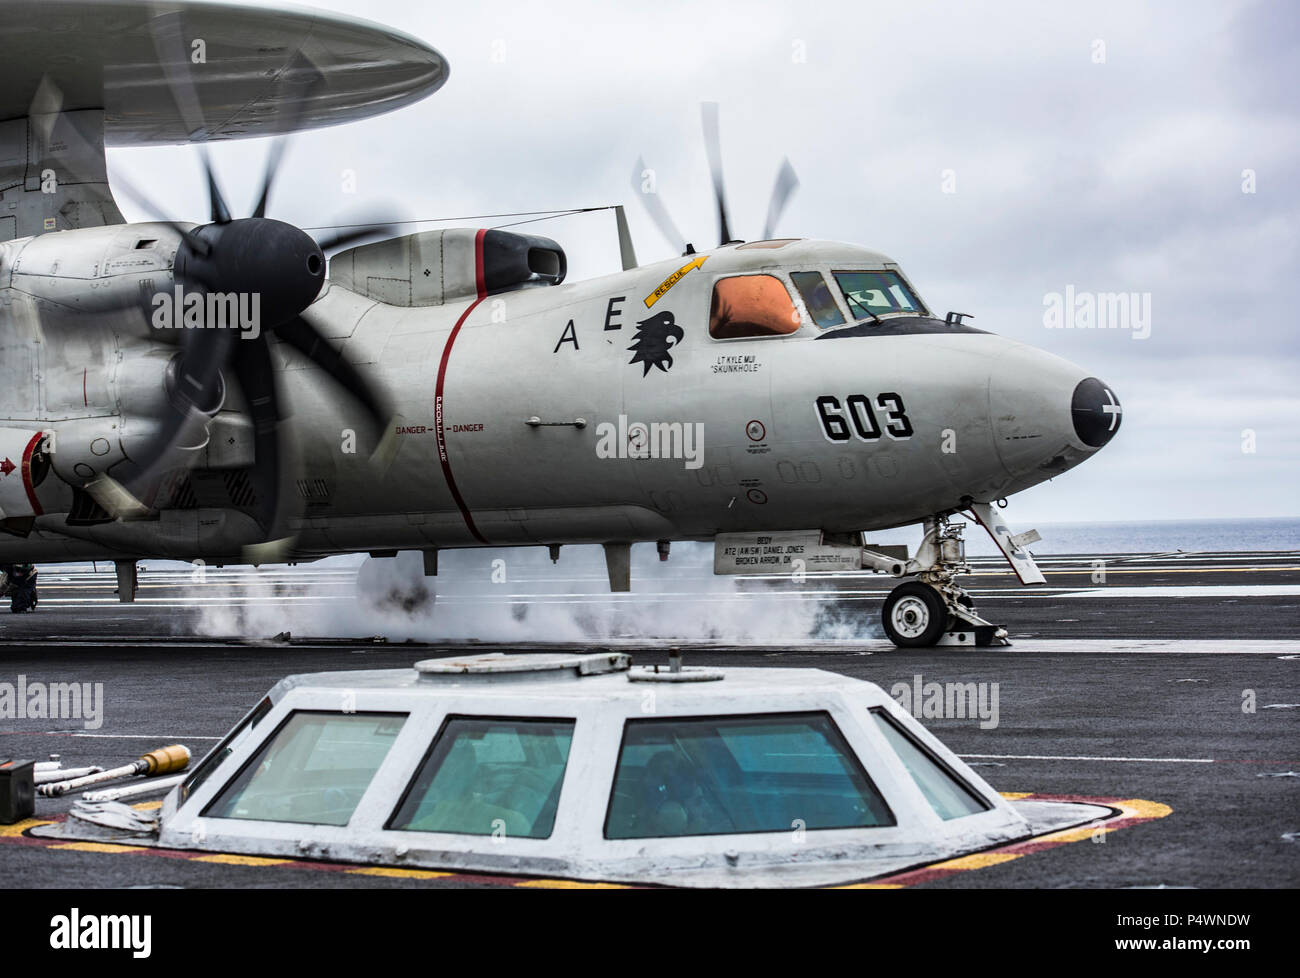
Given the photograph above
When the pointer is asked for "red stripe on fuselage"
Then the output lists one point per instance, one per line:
(481, 287)
(27, 473)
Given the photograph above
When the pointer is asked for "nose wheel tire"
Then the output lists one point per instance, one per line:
(914, 615)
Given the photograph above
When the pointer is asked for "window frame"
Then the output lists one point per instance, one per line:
(790, 292)
(388, 826)
(922, 309)
(206, 811)
(837, 298)
(987, 806)
(211, 761)
(846, 751)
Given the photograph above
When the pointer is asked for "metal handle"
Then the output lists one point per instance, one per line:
(536, 422)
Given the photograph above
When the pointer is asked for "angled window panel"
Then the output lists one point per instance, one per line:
(314, 769)
(948, 795)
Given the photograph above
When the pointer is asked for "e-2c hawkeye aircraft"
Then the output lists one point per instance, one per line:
(211, 392)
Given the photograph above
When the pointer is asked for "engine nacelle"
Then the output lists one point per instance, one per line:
(108, 270)
(435, 267)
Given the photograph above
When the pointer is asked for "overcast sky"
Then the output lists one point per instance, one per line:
(1101, 148)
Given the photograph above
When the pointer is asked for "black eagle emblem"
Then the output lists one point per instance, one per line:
(654, 337)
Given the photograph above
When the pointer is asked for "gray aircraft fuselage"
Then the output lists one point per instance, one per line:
(521, 416)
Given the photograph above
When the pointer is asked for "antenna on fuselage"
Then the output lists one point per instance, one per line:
(625, 249)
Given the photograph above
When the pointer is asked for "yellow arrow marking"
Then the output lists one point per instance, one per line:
(673, 279)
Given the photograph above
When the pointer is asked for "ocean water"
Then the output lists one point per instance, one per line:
(1148, 536)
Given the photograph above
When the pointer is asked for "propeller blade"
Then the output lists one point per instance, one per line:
(655, 206)
(46, 107)
(713, 147)
(219, 212)
(303, 336)
(346, 236)
(278, 146)
(138, 197)
(252, 363)
(300, 81)
(172, 47)
(196, 391)
(786, 184)
(171, 44)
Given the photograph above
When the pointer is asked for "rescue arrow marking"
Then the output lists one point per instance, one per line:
(673, 279)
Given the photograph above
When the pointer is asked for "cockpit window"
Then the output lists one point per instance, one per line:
(817, 297)
(738, 774)
(871, 294)
(751, 305)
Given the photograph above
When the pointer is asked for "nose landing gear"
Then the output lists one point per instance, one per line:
(931, 609)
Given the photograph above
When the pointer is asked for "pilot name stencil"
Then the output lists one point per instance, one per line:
(746, 363)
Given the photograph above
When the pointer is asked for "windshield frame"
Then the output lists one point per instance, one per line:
(868, 314)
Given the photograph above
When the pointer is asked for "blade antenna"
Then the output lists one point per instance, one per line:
(625, 249)
(713, 147)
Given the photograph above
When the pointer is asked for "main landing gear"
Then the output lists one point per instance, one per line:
(931, 609)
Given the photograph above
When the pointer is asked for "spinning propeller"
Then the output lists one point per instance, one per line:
(275, 268)
(786, 184)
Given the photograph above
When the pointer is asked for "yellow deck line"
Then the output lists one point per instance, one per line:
(1129, 808)
(97, 847)
(977, 860)
(18, 828)
(396, 872)
(231, 859)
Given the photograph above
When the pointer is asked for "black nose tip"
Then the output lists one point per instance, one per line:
(1097, 412)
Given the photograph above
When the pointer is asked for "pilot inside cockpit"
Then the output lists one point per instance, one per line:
(676, 799)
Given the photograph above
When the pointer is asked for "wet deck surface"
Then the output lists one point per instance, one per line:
(1175, 682)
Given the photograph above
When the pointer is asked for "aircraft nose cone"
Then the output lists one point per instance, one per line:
(1096, 412)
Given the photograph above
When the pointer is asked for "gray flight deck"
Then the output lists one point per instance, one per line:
(1173, 685)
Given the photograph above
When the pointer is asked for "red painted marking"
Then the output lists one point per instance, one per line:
(7, 466)
(290, 862)
(907, 877)
(923, 874)
(27, 473)
(439, 428)
(480, 282)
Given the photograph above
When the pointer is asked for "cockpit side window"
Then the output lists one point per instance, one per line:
(872, 294)
(751, 305)
(817, 297)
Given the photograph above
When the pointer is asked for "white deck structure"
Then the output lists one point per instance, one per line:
(575, 765)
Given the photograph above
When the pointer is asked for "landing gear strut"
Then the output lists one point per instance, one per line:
(931, 609)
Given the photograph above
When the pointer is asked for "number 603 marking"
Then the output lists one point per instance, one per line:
(857, 417)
